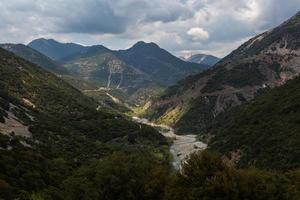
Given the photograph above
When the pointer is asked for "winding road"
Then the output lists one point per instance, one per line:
(183, 145)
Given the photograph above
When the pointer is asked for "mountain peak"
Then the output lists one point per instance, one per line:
(42, 40)
(200, 58)
(142, 44)
(54, 49)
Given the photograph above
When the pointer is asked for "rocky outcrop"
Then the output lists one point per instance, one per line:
(265, 61)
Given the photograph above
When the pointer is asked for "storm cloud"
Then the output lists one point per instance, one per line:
(180, 26)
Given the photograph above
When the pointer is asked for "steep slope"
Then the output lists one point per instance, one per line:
(35, 57)
(101, 65)
(265, 61)
(52, 66)
(159, 64)
(107, 99)
(56, 50)
(139, 72)
(202, 59)
(50, 129)
(112, 75)
(264, 133)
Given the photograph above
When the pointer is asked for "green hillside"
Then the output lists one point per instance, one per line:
(50, 130)
(35, 57)
(265, 133)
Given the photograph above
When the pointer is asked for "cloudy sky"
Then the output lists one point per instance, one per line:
(180, 26)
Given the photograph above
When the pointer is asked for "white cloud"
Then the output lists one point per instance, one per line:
(177, 25)
(198, 33)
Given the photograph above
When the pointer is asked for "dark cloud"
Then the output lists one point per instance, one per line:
(91, 16)
(215, 26)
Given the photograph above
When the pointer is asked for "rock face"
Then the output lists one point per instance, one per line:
(265, 61)
(102, 66)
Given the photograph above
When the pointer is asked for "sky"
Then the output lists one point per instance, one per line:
(180, 26)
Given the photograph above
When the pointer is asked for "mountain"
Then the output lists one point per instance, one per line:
(160, 65)
(50, 131)
(202, 59)
(264, 133)
(35, 57)
(265, 61)
(139, 72)
(56, 50)
(101, 65)
(111, 75)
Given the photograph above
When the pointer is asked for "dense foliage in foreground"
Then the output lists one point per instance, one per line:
(139, 176)
(206, 176)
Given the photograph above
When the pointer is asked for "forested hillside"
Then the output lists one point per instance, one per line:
(49, 130)
(264, 133)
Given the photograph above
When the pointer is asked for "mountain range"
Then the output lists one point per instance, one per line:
(138, 72)
(65, 131)
(202, 59)
(265, 61)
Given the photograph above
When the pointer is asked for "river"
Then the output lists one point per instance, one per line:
(183, 145)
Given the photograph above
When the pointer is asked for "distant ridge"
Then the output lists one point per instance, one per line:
(202, 59)
(56, 50)
(35, 57)
(140, 71)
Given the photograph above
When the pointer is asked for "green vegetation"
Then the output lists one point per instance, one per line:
(206, 176)
(195, 120)
(163, 68)
(244, 74)
(35, 57)
(79, 152)
(119, 176)
(102, 67)
(68, 133)
(266, 131)
(140, 72)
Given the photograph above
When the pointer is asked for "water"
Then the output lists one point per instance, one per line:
(183, 145)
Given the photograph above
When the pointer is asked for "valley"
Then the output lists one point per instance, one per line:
(85, 122)
(182, 145)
